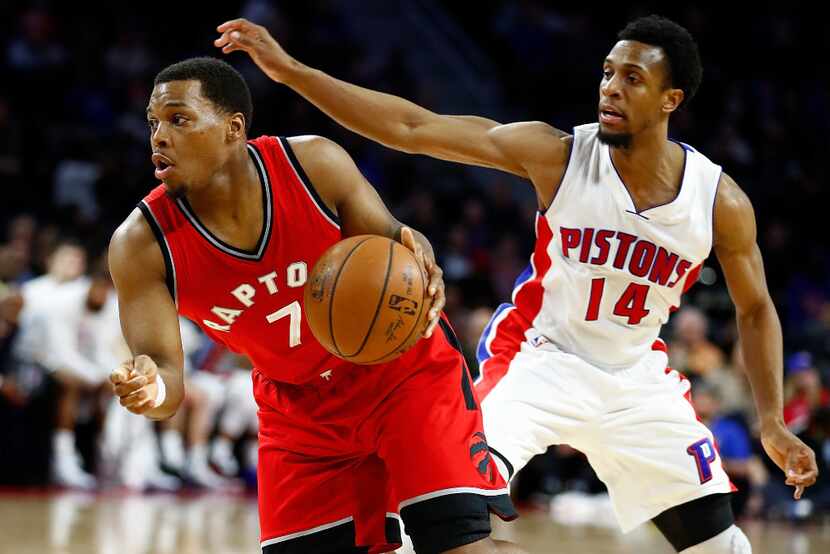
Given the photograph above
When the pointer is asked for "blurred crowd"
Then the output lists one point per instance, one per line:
(74, 161)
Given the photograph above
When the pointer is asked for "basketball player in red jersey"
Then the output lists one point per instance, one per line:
(588, 368)
(227, 240)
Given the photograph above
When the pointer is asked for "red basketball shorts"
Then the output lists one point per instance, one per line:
(342, 461)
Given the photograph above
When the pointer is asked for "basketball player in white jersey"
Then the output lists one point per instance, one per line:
(626, 219)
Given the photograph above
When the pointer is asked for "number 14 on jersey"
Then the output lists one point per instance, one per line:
(631, 304)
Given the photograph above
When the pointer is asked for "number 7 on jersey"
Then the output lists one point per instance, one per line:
(295, 313)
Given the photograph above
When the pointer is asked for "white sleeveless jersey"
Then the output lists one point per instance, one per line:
(603, 277)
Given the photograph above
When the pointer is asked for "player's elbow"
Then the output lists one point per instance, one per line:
(412, 132)
(403, 136)
(756, 309)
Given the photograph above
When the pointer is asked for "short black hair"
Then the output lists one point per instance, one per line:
(685, 70)
(221, 84)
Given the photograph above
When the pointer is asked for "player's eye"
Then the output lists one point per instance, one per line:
(178, 119)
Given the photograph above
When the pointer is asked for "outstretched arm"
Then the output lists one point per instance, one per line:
(361, 210)
(760, 331)
(533, 150)
(149, 321)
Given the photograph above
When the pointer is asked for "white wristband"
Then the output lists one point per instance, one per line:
(162, 391)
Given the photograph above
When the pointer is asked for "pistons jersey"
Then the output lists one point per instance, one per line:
(251, 300)
(603, 276)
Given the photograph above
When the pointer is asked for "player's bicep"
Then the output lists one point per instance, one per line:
(343, 187)
(149, 319)
(737, 249)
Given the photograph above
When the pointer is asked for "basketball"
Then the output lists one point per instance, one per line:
(364, 299)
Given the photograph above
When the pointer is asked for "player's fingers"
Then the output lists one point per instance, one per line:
(142, 407)
(223, 40)
(419, 255)
(129, 387)
(121, 373)
(230, 48)
(798, 460)
(436, 278)
(407, 238)
(138, 397)
(232, 24)
(433, 321)
(804, 475)
(145, 365)
(238, 37)
(437, 303)
(799, 490)
(431, 327)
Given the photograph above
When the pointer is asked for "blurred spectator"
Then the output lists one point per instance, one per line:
(734, 391)
(691, 351)
(68, 327)
(11, 303)
(805, 393)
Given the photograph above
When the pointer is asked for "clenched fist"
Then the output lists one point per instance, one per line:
(135, 384)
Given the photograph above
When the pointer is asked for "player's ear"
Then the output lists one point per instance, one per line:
(236, 127)
(672, 99)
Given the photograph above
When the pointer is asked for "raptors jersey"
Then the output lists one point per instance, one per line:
(251, 301)
(604, 277)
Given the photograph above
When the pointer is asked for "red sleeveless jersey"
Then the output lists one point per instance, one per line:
(252, 301)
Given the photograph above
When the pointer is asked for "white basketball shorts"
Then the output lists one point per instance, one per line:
(636, 426)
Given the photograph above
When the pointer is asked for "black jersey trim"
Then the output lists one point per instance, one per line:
(267, 209)
(309, 187)
(169, 267)
(505, 461)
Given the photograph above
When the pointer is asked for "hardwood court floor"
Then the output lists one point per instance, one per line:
(75, 523)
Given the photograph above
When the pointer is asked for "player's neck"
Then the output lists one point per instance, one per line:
(230, 203)
(650, 161)
(229, 189)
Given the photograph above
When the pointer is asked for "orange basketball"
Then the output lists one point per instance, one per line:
(364, 299)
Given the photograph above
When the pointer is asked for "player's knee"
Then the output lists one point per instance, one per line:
(731, 541)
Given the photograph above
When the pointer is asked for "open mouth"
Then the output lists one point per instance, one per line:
(610, 115)
(164, 166)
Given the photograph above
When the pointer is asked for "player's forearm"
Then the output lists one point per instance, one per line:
(381, 117)
(761, 342)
